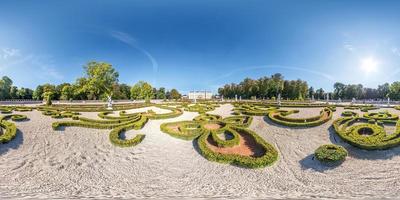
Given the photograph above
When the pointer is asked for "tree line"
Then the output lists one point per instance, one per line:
(266, 88)
(99, 82)
(270, 87)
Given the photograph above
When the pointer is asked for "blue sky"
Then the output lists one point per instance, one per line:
(201, 44)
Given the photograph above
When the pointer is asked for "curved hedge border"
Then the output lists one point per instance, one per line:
(201, 108)
(376, 137)
(207, 117)
(331, 154)
(232, 126)
(253, 109)
(118, 124)
(385, 115)
(280, 117)
(269, 157)
(348, 113)
(10, 128)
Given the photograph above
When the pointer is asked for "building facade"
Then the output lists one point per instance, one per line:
(200, 95)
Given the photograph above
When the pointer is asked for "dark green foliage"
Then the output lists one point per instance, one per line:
(330, 153)
(231, 128)
(368, 133)
(281, 117)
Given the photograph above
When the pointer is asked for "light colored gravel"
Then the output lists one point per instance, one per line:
(82, 163)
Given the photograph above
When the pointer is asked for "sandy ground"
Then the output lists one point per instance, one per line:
(82, 163)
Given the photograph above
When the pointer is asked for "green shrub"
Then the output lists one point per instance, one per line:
(268, 158)
(115, 137)
(330, 153)
(281, 117)
(18, 117)
(348, 113)
(365, 134)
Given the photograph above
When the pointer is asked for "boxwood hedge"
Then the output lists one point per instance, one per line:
(281, 117)
(330, 154)
(232, 128)
(367, 133)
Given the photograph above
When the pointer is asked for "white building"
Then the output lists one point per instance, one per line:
(200, 95)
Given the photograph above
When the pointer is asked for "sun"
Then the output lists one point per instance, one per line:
(369, 64)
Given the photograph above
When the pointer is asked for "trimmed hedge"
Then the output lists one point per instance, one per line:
(381, 116)
(186, 130)
(280, 117)
(269, 157)
(367, 133)
(118, 124)
(233, 127)
(115, 137)
(239, 121)
(18, 117)
(253, 109)
(227, 142)
(207, 117)
(10, 128)
(348, 113)
(330, 154)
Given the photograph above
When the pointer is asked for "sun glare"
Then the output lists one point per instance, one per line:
(369, 64)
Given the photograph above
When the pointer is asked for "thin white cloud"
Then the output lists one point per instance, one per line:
(396, 51)
(349, 47)
(42, 65)
(131, 41)
(7, 53)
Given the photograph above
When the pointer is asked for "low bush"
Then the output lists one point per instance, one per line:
(115, 137)
(18, 117)
(330, 154)
(348, 113)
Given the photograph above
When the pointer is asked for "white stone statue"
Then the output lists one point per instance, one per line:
(235, 97)
(279, 99)
(388, 101)
(109, 103)
(240, 98)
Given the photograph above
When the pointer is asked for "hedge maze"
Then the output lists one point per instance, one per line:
(368, 132)
(119, 124)
(225, 140)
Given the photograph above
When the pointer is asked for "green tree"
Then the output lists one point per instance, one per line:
(14, 93)
(160, 93)
(5, 87)
(175, 94)
(67, 92)
(394, 92)
(38, 93)
(100, 79)
(142, 90)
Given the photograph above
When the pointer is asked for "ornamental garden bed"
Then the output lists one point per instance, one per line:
(225, 140)
(118, 124)
(369, 132)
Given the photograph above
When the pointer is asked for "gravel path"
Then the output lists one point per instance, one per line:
(82, 163)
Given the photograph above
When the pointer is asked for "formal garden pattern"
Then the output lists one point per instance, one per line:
(225, 140)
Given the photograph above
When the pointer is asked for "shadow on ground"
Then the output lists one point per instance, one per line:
(13, 144)
(310, 162)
